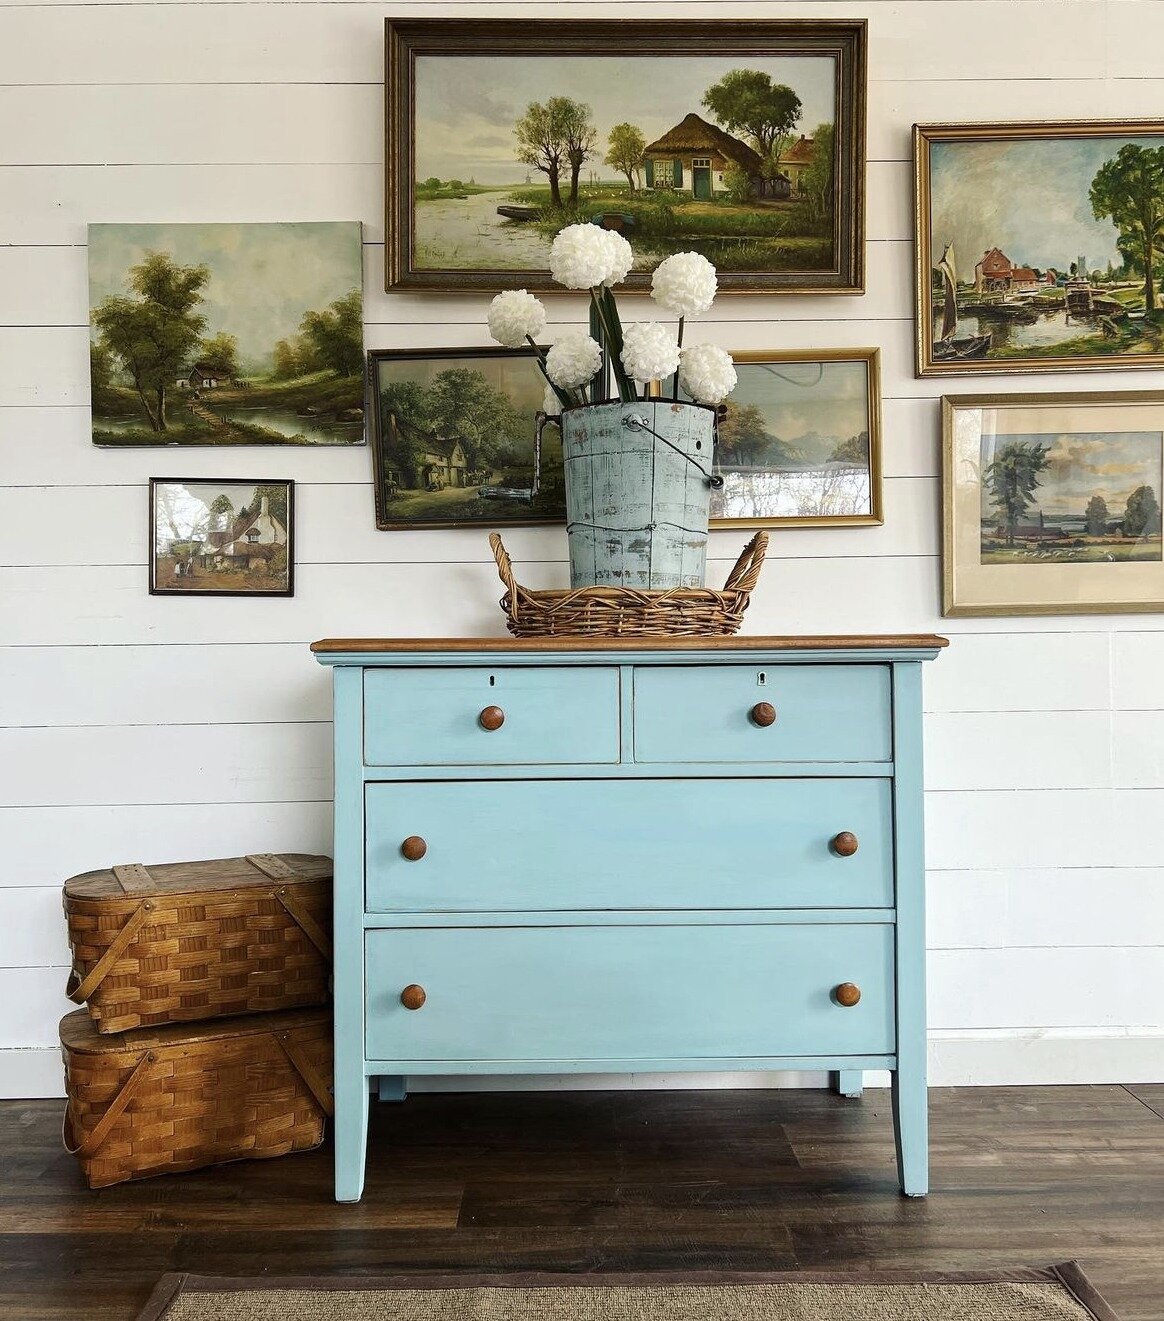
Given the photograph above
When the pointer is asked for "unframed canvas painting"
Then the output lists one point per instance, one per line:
(225, 334)
(1039, 246)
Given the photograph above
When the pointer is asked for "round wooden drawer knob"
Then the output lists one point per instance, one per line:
(414, 848)
(763, 714)
(412, 997)
(846, 995)
(844, 845)
(493, 717)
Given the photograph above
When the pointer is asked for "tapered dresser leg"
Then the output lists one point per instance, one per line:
(911, 1131)
(847, 1082)
(351, 1134)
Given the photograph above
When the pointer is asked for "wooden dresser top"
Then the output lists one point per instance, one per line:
(904, 642)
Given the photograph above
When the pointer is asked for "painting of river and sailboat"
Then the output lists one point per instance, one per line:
(226, 334)
(1040, 246)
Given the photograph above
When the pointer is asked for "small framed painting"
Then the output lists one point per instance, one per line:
(741, 139)
(1051, 503)
(799, 441)
(221, 538)
(1038, 246)
(457, 441)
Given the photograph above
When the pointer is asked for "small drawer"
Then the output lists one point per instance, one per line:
(620, 993)
(774, 713)
(475, 716)
(497, 845)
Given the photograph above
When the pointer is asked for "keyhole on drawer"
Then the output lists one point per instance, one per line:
(492, 680)
(761, 678)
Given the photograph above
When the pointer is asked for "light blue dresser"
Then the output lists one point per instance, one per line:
(605, 856)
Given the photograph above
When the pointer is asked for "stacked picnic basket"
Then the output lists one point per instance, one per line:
(207, 1033)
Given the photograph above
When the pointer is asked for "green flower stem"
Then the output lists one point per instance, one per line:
(565, 397)
(607, 309)
(675, 383)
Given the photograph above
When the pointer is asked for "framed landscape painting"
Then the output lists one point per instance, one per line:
(1039, 246)
(799, 442)
(226, 334)
(221, 538)
(1051, 503)
(456, 441)
(742, 140)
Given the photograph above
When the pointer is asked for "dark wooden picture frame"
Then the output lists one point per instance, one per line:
(209, 572)
(502, 511)
(408, 41)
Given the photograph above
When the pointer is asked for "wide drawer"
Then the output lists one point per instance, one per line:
(708, 713)
(658, 843)
(435, 716)
(629, 992)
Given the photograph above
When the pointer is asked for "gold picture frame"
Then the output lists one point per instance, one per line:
(452, 143)
(828, 483)
(1037, 302)
(1071, 529)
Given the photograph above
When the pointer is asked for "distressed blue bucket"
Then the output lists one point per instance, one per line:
(638, 488)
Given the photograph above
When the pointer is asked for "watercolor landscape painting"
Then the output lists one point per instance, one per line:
(1040, 246)
(221, 334)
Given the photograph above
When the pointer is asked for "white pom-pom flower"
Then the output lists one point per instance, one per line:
(649, 351)
(586, 256)
(551, 404)
(574, 359)
(515, 316)
(707, 373)
(684, 284)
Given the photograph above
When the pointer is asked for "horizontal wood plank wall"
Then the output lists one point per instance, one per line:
(138, 728)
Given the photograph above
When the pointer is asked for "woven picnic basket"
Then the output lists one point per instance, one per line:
(628, 611)
(160, 1100)
(186, 941)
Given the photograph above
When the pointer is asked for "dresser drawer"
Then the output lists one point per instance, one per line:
(629, 992)
(437, 717)
(557, 844)
(705, 713)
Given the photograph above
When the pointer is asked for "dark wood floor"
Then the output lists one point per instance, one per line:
(613, 1181)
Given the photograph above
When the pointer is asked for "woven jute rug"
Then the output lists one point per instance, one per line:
(1053, 1293)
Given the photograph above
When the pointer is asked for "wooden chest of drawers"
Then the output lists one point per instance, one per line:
(612, 856)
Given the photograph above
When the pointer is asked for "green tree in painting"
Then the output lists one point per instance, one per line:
(854, 450)
(581, 137)
(221, 511)
(276, 494)
(743, 439)
(463, 406)
(817, 180)
(153, 334)
(1012, 479)
(404, 419)
(748, 101)
(288, 356)
(1129, 189)
(221, 352)
(1142, 513)
(625, 148)
(1096, 516)
(336, 335)
(555, 136)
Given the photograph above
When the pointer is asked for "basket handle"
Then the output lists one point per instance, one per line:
(504, 570)
(313, 1080)
(92, 1141)
(79, 990)
(746, 574)
(303, 919)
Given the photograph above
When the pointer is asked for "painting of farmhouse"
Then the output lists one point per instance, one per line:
(457, 442)
(799, 440)
(221, 538)
(1042, 248)
(732, 157)
(226, 334)
(1073, 498)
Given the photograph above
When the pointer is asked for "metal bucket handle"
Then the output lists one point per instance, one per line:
(636, 422)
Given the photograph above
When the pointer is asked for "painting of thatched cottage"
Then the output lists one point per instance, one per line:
(248, 542)
(699, 158)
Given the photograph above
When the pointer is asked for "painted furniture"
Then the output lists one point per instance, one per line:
(582, 855)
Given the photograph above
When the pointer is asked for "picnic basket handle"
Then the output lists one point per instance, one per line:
(79, 990)
(100, 1131)
(746, 574)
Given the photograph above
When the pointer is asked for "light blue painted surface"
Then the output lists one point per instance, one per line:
(627, 992)
(715, 987)
(425, 717)
(823, 713)
(532, 845)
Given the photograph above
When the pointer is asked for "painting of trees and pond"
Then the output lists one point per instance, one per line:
(1043, 246)
(1076, 498)
(735, 156)
(224, 334)
(456, 442)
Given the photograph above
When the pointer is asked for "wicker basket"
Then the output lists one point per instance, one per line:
(160, 1100)
(195, 940)
(627, 611)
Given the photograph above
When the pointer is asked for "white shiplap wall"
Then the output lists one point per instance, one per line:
(141, 728)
